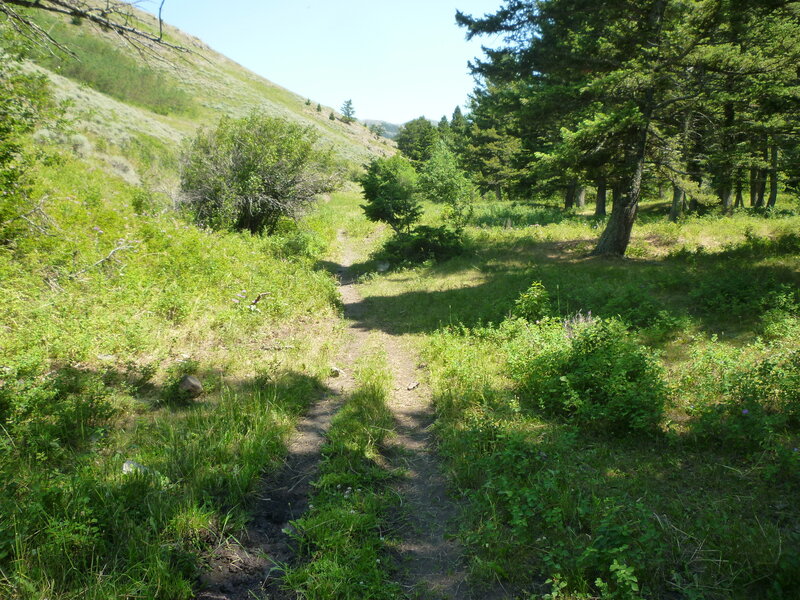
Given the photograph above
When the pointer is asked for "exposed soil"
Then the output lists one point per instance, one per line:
(250, 567)
(431, 564)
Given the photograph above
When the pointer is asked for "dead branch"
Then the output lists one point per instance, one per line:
(111, 15)
(39, 212)
(261, 296)
(121, 246)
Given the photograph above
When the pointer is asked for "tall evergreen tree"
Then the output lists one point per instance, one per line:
(416, 139)
(348, 112)
(629, 89)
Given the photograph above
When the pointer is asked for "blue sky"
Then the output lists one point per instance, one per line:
(397, 60)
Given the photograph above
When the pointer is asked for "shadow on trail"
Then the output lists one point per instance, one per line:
(252, 565)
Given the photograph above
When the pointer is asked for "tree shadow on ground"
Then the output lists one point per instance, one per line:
(723, 291)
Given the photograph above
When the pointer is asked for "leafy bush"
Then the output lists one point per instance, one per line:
(441, 180)
(51, 414)
(534, 303)
(248, 173)
(593, 374)
(423, 243)
(25, 100)
(389, 188)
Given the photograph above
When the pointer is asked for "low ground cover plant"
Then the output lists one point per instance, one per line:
(592, 373)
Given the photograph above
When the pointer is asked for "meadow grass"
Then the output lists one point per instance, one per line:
(346, 536)
(115, 487)
(700, 508)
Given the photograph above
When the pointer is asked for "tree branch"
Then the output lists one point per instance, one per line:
(121, 246)
(115, 16)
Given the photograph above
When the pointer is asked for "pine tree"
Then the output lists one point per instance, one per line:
(348, 112)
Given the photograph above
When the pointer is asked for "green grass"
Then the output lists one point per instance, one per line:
(703, 507)
(103, 313)
(347, 532)
(99, 64)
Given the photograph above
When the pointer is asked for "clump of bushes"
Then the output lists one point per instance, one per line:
(49, 415)
(591, 373)
(391, 187)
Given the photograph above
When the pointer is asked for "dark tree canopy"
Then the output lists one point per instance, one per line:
(416, 139)
(700, 94)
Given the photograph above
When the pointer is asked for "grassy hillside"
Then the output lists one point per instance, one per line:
(122, 100)
(115, 483)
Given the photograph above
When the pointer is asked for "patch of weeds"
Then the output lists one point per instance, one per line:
(592, 373)
(759, 405)
(533, 304)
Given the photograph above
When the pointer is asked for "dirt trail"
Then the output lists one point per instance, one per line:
(431, 561)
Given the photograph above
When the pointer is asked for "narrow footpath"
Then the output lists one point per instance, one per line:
(430, 559)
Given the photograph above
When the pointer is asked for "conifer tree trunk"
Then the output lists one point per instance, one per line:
(762, 180)
(753, 186)
(580, 197)
(616, 195)
(600, 204)
(617, 234)
(739, 199)
(570, 194)
(726, 194)
(676, 209)
(773, 176)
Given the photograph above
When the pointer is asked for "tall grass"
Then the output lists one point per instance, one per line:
(112, 486)
(558, 504)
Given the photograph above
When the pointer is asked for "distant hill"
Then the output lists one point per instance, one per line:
(390, 129)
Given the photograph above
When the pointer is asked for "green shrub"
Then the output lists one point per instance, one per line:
(533, 304)
(591, 373)
(389, 188)
(421, 244)
(248, 173)
(441, 180)
(55, 412)
(25, 101)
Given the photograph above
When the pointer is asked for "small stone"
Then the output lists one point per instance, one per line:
(190, 386)
(336, 372)
(131, 466)
(383, 267)
(107, 357)
(413, 386)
